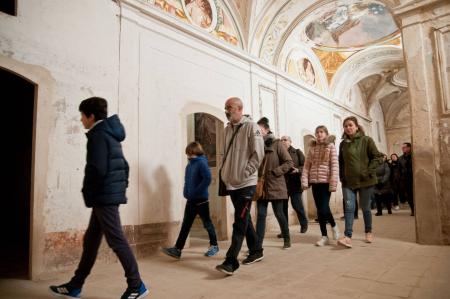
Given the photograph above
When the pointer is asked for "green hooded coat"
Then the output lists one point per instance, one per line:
(358, 161)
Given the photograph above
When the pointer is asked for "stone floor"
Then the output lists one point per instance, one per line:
(392, 267)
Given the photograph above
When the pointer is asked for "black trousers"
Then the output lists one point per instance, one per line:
(384, 199)
(321, 196)
(190, 212)
(105, 220)
(242, 226)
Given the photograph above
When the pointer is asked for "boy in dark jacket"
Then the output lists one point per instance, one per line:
(104, 185)
(196, 181)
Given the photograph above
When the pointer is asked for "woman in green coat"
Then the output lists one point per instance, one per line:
(358, 162)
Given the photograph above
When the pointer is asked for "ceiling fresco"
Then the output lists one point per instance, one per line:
(347, 25)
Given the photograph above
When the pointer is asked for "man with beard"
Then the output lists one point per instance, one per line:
(243, 153)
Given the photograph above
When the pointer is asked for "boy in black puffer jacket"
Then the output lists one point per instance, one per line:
(104, 186)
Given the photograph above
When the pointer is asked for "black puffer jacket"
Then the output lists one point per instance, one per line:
(293, 182)
(106, 172)
(383, 177)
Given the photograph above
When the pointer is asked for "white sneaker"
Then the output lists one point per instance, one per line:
(323, 241)
(396, 208)
(336, 233)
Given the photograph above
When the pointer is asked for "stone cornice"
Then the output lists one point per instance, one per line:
(413, 5)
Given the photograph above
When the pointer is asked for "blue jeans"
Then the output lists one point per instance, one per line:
(365, 195)
(297, 204)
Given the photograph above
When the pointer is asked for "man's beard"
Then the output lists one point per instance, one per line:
(228, 115)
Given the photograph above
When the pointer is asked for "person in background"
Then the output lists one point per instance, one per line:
(277, 163)
(294, 185)
(196, 181)
(395, 180)
(383, 190)
(406, 175)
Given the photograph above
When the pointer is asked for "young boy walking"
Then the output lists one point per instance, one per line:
(104, 185)
(196, 181)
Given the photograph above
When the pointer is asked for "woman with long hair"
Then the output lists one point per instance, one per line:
(358, 162)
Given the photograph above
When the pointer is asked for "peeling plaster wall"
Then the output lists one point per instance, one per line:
(377, 130)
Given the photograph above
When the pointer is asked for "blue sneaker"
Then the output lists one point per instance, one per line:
(65, 290)
(212, 250)
(135, 293)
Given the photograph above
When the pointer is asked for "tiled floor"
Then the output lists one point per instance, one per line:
(392, 267)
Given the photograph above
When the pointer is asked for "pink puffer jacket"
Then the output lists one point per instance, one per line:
(321, 164)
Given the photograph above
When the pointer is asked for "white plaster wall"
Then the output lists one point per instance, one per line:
(377, 116)
(77, 43)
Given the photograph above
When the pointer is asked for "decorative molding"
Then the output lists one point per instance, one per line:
(415, 5)
(442, 62)
(273, 92)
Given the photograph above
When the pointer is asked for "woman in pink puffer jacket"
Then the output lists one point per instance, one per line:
(321, 171)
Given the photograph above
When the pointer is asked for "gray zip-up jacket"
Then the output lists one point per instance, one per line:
(246, 154)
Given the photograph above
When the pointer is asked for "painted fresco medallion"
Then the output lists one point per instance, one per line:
(301, 68)
(349, 24)
(202, 13)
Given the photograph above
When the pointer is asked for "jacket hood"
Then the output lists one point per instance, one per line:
(199, 158)
(357, 135)
(245, 119)
(328, 140)
(112, 126)
(268, 140)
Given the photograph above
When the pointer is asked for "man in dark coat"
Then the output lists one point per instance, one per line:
(294, 185)
(406, 174)
(104, 186)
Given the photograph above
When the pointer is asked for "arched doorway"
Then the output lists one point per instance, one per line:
(208, 130)
(17, 123)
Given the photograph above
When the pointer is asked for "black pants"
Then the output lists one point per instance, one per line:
(190, 212)
(277, 206)
(297, 205)
(384, 199)
(106, 220)
(242, 226)
(321, 196)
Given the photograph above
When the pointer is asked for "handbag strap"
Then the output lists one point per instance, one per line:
(229, 145)
(264, 166)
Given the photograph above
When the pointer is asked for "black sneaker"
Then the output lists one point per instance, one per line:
(135, 293)
(65, 290)
(287, 244)
(253, 258)
(280, 236)
(226, 268)
(304, 229)
(173, 252)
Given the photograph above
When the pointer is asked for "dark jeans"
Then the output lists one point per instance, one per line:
(297, 205)
(277, 206)
(242, 226)
(321, 196)
(106, 220)
(190, 212)
(384, 199)
(406, 195)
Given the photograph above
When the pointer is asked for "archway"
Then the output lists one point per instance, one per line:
(208, 130)
(17, 121)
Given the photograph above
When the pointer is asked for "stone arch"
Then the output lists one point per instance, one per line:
(365, 63)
